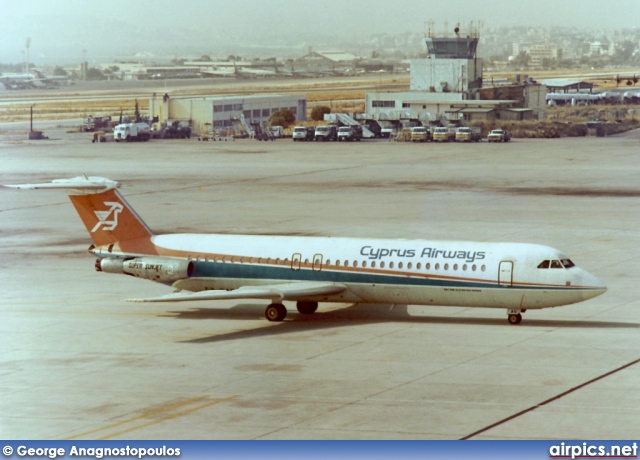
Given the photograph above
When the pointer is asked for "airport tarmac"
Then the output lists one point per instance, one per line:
(76, 362)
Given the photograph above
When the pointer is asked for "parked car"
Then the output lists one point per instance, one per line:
(350, 133)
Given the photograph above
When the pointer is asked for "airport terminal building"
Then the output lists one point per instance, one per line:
(223, 111)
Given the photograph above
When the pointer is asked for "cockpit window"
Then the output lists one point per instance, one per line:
(556, 264)
(544, 264)
(567, 263)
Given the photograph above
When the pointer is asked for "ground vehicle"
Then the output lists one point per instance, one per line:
(303, 133)
(276, 131)
(326, 133)
(92, 123)
(443, 134)
(468, 134)
(374, 127)
(131, 132)
(350, 133)
(419, 134)
(177, 131)
(498, 135)
(388, 129)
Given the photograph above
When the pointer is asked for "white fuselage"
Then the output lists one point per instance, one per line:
(498, 275)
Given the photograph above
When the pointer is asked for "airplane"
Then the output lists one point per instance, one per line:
(28, 81)
(513, 276)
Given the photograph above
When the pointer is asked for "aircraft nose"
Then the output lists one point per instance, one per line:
(593, 286)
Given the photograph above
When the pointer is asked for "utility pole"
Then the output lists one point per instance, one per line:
(84, 65)
(28, 43)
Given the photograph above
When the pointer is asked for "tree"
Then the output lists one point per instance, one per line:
(318, 112)
(282, 117)
(95, 74)
(59, 72)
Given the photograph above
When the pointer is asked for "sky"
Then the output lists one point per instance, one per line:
(62, 29)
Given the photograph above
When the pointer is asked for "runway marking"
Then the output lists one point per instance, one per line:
(151, 413)
(550, 400)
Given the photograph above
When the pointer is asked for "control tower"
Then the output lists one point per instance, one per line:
(452, 65)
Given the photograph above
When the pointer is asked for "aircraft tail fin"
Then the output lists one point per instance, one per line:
(107, 216)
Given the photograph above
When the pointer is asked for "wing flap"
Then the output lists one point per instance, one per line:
(288, 291)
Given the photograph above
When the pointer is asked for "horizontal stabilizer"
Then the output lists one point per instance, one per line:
(76, 183)
(276, 292)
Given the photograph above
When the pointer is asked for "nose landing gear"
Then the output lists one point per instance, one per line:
(514, 316)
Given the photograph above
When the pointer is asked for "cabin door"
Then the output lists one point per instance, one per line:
(505, 273)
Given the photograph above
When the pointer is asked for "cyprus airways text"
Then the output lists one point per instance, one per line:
(429, 253)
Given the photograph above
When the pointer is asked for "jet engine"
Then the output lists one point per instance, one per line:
(149, 268)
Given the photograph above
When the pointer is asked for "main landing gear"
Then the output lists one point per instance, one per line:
(515, 316)
(277, 312)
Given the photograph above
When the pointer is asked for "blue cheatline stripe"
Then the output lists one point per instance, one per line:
(285, 273)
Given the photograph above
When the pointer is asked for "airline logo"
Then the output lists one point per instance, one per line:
(115, 209)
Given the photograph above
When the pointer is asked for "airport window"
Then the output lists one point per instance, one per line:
(265, 112)
(567, 263)
(406, 105)
(247, 114)
(383, 103)
(256, 113)
(544, 264)
(228, 107)
(556, 264)
(237, 106)
(390, 264)
(217, 108)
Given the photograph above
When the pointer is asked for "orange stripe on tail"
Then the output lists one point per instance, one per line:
(110, 219)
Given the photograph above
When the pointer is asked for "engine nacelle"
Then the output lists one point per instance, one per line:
(149, 268)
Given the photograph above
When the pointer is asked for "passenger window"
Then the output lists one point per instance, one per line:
(484, 268)
(455, 267)
(437, 267)
(355, 263)
(567, 263)
(556, 264)
(286, 262)
(446, 266)
(399, 264)
(346, 263)
(427, 266)
(381, 264)
(390, 264)
(364, 264)
(473, 268)
(337, 263)
(373, 264)
(409, 265)
(418, 265)
(544, 264)
(464, 268)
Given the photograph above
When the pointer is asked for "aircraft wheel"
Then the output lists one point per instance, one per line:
(307, 307)
(275, 312)
(515, 319)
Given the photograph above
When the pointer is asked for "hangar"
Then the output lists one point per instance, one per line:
(223, 111)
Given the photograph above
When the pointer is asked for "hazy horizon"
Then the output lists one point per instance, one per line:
(60, 31)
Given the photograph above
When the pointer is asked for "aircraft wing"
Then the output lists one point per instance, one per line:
(287, 291)
(78, 183)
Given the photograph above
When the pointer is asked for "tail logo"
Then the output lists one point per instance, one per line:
(115, 209)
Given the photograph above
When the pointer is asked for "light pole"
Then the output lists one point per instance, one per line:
(28, 43)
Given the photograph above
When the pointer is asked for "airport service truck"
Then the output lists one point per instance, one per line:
(498, 135)
(326, 133)
(419, 134)
(468, 134)
(303, 133)
(95, 123)
(131, 132)
(350, 133)
(443, 134)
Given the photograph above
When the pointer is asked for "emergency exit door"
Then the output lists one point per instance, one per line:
(505, 273)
